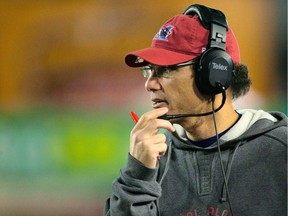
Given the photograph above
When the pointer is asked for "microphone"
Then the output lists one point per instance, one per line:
(168, 117)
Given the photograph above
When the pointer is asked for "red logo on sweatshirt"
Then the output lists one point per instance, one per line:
(211, 211)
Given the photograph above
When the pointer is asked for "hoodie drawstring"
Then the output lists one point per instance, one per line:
(229, 166)
(164, 173)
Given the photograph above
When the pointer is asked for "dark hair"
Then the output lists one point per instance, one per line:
(240, 82)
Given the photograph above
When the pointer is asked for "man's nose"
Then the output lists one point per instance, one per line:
(152, 83)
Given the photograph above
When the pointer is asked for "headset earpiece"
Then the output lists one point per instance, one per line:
(215, 66)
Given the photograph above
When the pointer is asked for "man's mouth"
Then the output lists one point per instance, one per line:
(158, 103)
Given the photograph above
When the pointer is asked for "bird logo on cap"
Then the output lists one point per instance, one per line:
(164, 32)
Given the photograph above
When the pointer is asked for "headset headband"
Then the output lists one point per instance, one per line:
(213, 20)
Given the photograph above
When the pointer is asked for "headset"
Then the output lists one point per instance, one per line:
(215, 67)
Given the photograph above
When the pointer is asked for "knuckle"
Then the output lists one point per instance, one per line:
(136, 135)
(146, 143)
(163, 136)
(165, 147)
(145, 117)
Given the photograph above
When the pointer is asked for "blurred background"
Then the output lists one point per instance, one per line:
(66, 93)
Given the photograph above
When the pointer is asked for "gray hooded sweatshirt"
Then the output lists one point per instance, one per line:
(189, 180)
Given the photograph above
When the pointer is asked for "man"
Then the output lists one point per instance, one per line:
(213, 160)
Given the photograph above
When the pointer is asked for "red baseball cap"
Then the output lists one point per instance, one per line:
(180, 39)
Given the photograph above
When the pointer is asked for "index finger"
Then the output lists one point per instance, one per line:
(154, 114)
(150, 117)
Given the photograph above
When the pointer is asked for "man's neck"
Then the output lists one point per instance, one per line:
(204, 127)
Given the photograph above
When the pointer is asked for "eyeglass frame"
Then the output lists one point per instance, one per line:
(154, 69)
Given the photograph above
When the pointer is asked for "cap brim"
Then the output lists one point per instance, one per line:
(157, 56)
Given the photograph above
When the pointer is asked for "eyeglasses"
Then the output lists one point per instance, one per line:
(161, 71)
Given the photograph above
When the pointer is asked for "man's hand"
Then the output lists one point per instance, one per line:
(145, 144)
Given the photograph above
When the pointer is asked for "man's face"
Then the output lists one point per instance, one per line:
(177, 91)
